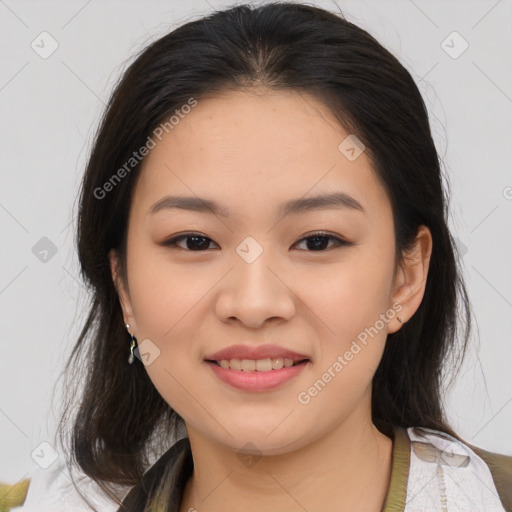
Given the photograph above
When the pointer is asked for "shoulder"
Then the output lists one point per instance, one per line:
(447, 469)
(52, 490)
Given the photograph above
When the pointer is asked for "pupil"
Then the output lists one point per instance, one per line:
(323, 245)
(192, 245)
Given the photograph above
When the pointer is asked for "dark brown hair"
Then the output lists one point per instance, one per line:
(121, 420)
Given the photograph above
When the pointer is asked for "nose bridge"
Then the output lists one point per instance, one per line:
(253, 291)
(253, 264)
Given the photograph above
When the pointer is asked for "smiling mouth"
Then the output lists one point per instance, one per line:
(260, 365)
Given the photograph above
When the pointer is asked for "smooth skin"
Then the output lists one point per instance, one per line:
(251, 151)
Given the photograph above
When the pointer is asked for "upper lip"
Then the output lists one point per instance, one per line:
(255, 352)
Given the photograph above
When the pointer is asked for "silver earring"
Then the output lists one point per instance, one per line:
(131, 357)
(133, 344)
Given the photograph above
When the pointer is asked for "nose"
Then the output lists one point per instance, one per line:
(255, 292)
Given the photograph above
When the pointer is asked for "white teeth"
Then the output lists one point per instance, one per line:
(260, 365)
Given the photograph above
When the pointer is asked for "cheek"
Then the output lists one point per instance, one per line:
(167, 306)
(170, 304)
(351, 308)
(348, 297)
(351, 340)
(162, 292)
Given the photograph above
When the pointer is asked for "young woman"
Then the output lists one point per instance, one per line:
(263, 226)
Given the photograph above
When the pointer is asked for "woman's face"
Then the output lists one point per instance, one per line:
(253, 278)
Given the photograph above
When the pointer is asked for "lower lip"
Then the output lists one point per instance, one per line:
(254, 380)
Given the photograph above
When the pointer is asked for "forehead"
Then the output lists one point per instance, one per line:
(246, 148)
(275, 127)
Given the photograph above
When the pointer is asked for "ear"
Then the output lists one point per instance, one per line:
(122, 290)
(411, 278)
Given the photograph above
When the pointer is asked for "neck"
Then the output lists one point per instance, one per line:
(347, 469)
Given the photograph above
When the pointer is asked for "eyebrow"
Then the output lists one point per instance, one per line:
(336, 200)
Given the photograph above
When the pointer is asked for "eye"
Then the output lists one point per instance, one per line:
(195, 242)
(319, 240)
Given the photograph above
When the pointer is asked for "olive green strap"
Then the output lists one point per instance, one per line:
(397, 493)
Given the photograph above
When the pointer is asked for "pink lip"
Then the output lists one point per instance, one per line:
(255, 352)
(255, 380)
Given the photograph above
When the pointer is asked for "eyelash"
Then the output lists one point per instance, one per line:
(172, 242)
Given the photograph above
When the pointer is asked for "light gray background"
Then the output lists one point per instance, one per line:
(50, 107)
